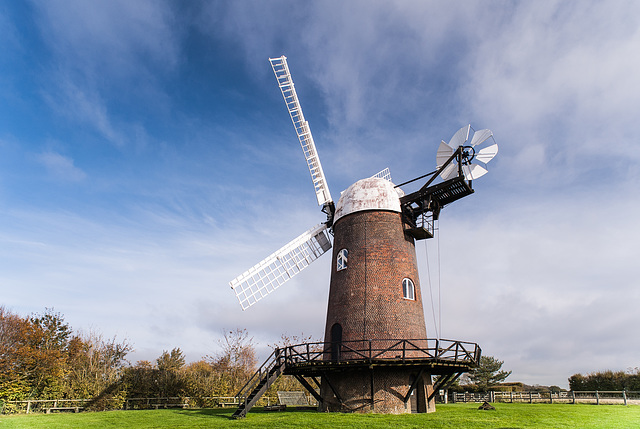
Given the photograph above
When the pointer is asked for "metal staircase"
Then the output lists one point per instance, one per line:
(258, 384)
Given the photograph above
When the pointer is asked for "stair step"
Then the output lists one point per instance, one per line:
(266, 379)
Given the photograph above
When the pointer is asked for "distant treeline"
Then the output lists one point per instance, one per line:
(607, 380)
(41, 357)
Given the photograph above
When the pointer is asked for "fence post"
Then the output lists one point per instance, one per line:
(550, 397)
(624, 396)
(511, 396)
(597, 398)
(573, 396)
(530, 397)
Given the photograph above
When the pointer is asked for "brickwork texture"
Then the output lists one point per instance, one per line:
(366, 300)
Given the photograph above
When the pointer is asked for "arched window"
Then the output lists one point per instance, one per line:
(341, 261)
(408, 289)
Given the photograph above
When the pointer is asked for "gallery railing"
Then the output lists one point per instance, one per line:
(368, 351)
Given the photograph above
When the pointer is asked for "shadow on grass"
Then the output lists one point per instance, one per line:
(226, 413)
(221, 413)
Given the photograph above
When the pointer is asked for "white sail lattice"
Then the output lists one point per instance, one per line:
(279, 267)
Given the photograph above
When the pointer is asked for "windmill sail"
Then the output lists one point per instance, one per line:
(384, 174)
(279, 267)
(285, 82)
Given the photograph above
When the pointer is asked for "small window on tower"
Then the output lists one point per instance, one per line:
(342, 259)
(408, 289)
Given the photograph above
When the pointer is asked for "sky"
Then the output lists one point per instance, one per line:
(147, 158)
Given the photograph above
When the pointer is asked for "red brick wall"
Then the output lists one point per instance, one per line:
(367, 298)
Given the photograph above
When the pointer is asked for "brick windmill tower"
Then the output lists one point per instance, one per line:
(376, 355)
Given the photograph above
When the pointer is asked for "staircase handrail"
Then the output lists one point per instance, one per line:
(253, 381)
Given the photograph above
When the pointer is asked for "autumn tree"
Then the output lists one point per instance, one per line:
(171, 380)
(203, 379)
(16, 357)
(172, 361)
(288, 383)
(95, 363)
(49, 343)
(42, 358)
(236, 361)
(32, 355)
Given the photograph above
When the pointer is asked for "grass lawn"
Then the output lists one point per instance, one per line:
(447, 416)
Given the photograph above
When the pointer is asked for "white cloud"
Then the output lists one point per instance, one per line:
(116, 38)
(559, 75)
(84, 105)
(61, 167)
(546, 245)
(104, 55)
(549, 285)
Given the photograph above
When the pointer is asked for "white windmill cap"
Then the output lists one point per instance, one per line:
(372, 193)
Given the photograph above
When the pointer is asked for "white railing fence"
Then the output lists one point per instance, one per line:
(571, 397)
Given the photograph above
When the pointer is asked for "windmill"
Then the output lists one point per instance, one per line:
(375, 355)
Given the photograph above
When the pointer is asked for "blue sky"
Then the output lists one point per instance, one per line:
(147, 158)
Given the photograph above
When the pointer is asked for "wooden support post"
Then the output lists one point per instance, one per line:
(624, 396)
(550, 397)
(309, 387)
(530, 397)
(573, 397)
(511, 396)
(597, 398)
(372, 389)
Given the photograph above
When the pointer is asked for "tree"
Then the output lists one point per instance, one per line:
(171, 381)
(94, 364)
(32, 355)
(171, 361)
(237, 360)
(16, 355)
(606, 380)
(203, 379)
(488, 373)
(55, 332)
(288, 383)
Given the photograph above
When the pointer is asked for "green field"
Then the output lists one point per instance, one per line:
(447, 416)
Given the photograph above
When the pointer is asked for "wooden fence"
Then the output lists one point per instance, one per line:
(583, 397)
(46, 405)
(580, 397)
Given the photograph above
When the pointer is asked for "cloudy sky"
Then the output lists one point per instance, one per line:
(147, 158)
